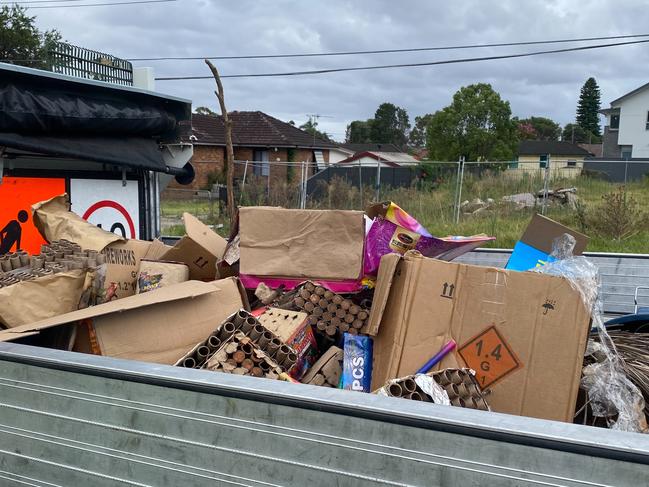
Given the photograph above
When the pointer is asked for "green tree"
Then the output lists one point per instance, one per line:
(588, 107)
(577, 135)
(538, 128)
(477, 125)
(311, 126)
(22, 43)
(417, 137)
(359, 132)
(205, 111)
(391, 125)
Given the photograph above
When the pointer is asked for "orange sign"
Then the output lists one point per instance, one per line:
(17, 195)
(490, 356)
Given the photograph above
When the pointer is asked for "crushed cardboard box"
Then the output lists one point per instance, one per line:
(158, 326)
(523, 333)
(200, 248)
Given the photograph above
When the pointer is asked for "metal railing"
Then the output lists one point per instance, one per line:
(86, 63)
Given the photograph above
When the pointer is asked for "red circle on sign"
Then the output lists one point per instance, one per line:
(114, 205)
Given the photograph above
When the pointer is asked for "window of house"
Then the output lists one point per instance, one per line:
(543, 161)
(626, 154)
(647, 124)
(572, 162)
(261, 166)
(615, 121)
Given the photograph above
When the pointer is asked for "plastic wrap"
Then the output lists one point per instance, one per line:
(610, 393)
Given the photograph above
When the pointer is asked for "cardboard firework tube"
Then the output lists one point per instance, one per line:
(323, 303)
(282, 353)
(341, 313)
(248, 324)
(415, 396)
(314, 298)
(358, 324)
(456, 377)
(309, 286)
(246, 348)
(189, 363)
(226, 331)
(350, 318)
(354, 309)
(24, 258)
(312, 320)
(15, 261)
(481, 404)
(346, 304)
(304, 294)
(327, 316)
(289, 361)
(353, 331)
(444, 378)
(409, 385)
(299, 302)
(336, 321)
(363, 315)
(239, 356)
(332, 307)
(395, 390)
(330, 330)
(213, 342)
(321, 326)
(320, 291)
(344, 327)
(317, 311)
(309, 307)
(452, 390)
(247, 364)
(273, 346)
(202, 352)
(256, 332)
(5, 263)
(239, 318)
(473, 390)
(264, 339)
(38, 261)
(463, 390)
(458, 401)
(337, 299)
(264, 366)
(328, 295)
(256, 372)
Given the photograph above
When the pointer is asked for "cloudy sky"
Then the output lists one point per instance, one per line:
(542, 86)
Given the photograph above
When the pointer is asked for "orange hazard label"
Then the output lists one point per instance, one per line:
(17, 196)
(490, 356)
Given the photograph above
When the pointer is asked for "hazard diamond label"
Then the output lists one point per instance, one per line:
(490, 356)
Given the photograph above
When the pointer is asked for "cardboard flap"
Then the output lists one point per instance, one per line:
(55, 221)
(542, 231)
(387, 268)
(183, 290)
(204, 236)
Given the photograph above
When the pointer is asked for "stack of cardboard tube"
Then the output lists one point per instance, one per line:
(407, 388)
(240, 356)
(330, 313)
(462, 388)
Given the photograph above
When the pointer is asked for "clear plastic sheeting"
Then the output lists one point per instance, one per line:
(611, 394)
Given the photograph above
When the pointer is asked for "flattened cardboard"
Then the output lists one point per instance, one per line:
(384, 280)
(535, 246)
(317, 244)
(122, 265)
(540, 318)
(201, 249)
(158, 326)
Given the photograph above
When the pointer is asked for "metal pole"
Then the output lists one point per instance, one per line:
(459, 191)
(360, 181)
(301, 183)
(546, 185)
(626, 167)
(243, 183)
(456, 199)
(378, 179)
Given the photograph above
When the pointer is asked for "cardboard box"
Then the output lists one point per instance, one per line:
(535, 246)
(293, 245)
(523, 333)
(201, 249)
(122, 265)
(292, 328)
(158, 326)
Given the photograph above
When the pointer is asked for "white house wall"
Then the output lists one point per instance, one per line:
(633, 119)
(335, 156)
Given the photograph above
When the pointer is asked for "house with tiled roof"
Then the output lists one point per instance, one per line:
(565, 159)
(259, 141)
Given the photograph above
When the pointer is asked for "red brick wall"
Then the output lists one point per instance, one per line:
(206, 159)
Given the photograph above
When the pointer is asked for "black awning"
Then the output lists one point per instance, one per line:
(135, 152)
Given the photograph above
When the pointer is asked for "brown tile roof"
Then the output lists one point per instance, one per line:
(552, 147)
(371, 147)
(253, 129)
(595, 149)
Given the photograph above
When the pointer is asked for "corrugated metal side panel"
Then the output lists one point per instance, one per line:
(620, 275)
(63, 428)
